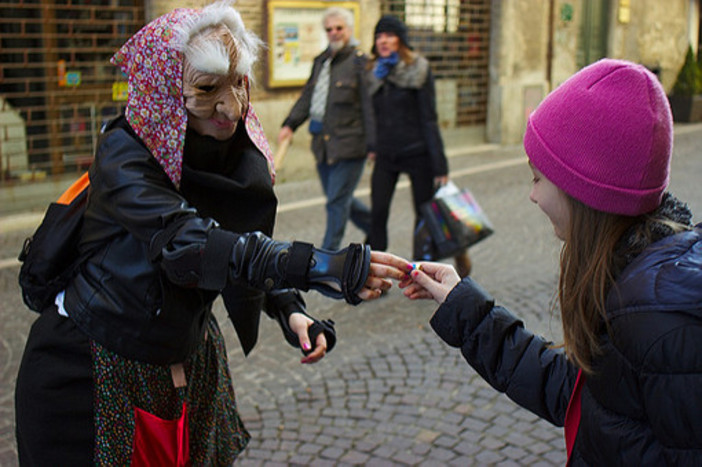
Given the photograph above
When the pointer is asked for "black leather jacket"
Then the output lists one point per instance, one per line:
(146, 303)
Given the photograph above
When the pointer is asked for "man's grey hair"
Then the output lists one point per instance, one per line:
(338, 12)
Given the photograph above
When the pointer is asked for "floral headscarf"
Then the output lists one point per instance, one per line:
(152, 59)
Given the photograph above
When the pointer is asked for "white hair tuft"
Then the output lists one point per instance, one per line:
(208, 57)
(217, 13)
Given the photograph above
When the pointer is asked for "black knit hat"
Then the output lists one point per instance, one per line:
(392, 24)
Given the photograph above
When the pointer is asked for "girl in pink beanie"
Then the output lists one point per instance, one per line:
(627, 382)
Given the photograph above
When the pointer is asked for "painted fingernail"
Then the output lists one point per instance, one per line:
(410, 267)
(306, 346)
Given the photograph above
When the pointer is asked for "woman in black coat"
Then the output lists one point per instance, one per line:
(408, 139)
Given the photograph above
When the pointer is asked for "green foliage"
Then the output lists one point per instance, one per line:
(689, 80)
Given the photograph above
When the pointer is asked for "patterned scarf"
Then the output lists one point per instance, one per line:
(155, 103)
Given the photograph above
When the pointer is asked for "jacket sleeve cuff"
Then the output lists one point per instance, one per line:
(461, 313)
(215, 260)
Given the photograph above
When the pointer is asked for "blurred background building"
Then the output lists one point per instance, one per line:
(493, 60)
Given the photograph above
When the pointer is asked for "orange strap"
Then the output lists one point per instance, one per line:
(74, 190)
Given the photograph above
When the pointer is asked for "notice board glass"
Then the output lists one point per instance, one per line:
(295, 35)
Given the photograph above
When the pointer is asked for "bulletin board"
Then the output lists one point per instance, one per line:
(295, 36)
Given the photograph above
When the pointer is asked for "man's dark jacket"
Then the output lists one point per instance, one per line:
(643, 404)
(348, 130)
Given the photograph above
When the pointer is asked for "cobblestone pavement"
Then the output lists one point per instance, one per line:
(390, 393)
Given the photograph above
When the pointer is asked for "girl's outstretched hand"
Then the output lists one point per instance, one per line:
(430, 280)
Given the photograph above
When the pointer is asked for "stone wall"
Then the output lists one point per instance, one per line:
(534, 48)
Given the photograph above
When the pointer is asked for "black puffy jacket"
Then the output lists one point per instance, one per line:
(643, 404)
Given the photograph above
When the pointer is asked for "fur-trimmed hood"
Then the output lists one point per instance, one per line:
(664, 270)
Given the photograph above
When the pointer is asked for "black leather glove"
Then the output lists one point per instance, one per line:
(269, 265)
(281, 304)
(336, 274)
(265, 264)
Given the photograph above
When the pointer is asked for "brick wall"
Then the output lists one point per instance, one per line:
(454, 36)
(56, 79)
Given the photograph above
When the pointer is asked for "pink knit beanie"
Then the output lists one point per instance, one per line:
(605, 137)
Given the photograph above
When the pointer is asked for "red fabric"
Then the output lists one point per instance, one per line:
(159, 442)
(572, 418)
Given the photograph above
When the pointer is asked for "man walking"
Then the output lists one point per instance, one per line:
(341, 123)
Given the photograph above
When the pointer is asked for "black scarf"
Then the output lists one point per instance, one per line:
(229, 182)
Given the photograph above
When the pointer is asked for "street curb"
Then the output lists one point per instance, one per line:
(14, 222)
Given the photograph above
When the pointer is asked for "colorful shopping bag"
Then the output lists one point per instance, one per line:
(451, 222)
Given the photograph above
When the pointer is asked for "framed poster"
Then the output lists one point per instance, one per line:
(295, 36)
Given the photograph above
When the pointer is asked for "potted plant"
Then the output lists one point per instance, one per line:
(686, 97)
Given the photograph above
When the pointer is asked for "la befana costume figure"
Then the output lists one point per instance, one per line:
(128, 366)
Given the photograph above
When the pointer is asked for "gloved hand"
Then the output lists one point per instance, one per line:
(336, 274)
(268, 264)
(265, 264)
(280, 304)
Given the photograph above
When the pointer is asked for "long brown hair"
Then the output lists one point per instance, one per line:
(591, 259)
(587, 275)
